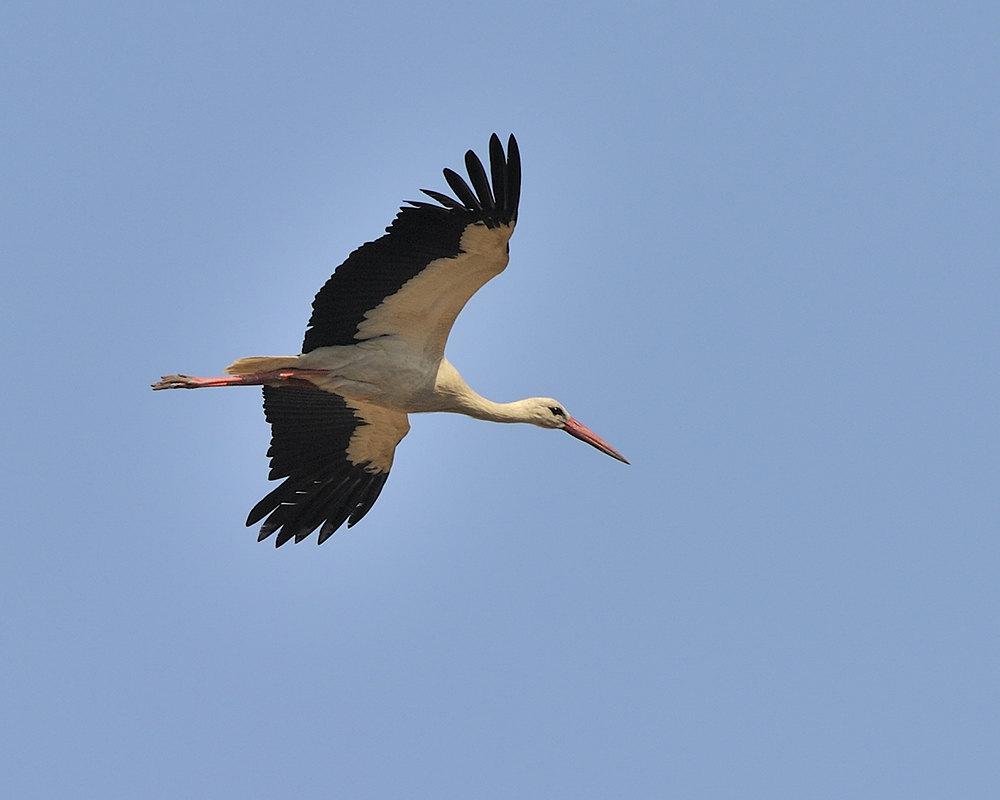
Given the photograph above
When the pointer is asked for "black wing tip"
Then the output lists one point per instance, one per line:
(513, 178)
(495, 204)
(301, 505)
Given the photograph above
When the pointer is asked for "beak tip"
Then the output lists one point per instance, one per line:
(584, 434)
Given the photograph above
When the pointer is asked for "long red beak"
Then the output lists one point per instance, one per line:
(585, 434)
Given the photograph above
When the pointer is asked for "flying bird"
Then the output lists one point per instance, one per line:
(374, 353)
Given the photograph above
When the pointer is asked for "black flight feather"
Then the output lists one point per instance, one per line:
(480, 183)
(498, 168)
(462, 190)
(513, 180)
(443, 199)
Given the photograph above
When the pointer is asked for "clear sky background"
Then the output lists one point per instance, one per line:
(757, 252)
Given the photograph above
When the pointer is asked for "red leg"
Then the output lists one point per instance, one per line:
(277, 377)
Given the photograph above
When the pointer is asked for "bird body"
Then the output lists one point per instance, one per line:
(374, 353)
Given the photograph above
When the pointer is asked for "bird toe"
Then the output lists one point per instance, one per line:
(172, 382)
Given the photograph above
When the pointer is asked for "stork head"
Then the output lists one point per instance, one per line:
(548, 413)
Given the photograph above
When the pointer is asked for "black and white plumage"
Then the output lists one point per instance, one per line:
(314, 435)
(374, 353)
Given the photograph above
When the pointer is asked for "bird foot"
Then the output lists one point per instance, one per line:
(175, 382)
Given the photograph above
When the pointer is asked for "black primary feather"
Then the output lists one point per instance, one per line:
(498, 168)
(480, 183)
(462, 190)
(513, 180)
(443, 199)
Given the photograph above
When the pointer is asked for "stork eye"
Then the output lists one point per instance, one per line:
(557, 411)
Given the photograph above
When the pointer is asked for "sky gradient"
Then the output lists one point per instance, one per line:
(757, 252)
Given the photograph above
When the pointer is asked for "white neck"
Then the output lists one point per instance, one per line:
(454, 394)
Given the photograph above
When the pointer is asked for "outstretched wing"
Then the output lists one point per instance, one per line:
(414, 281)
(334, 455)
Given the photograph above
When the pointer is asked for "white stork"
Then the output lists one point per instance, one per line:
(374, 353)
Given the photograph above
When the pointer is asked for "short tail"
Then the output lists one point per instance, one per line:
(254, 364)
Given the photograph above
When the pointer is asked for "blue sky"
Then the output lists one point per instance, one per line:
(757, 252)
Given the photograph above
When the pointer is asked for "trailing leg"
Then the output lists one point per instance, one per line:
(275, 377)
